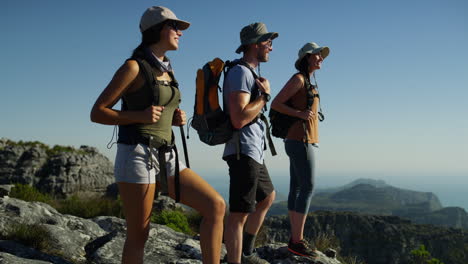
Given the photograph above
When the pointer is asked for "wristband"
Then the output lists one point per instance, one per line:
(266, 97)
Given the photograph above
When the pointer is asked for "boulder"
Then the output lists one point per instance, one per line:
(61, 172)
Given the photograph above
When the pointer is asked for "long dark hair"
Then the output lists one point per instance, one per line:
(150, 36)
(303, 66)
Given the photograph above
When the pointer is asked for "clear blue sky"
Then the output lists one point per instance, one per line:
(394, 88)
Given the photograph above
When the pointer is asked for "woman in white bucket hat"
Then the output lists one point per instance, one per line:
(146, 153)
(299, 100)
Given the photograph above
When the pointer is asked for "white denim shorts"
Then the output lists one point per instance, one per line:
(133, 164)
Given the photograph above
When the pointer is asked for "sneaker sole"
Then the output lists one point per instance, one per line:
(300, 254)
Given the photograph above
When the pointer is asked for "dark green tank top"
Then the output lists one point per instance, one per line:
(169, 97)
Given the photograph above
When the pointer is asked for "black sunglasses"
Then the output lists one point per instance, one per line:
(174, 25)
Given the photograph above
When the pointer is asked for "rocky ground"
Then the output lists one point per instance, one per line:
(100, 240)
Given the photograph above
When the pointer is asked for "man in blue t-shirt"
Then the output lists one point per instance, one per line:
(251, 191)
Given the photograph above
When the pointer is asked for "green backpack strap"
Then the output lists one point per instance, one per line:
(268, 135)
(147, 70)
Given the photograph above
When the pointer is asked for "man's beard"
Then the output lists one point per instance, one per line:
(262, 57)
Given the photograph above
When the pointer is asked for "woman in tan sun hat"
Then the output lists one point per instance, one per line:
(299, 99)
(145, 142)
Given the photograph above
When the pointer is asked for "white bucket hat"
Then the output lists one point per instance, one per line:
(158, 14)
(311, 48)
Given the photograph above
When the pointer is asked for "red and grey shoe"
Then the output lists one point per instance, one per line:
(302, 248)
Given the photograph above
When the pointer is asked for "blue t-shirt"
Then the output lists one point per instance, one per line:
(252, 137)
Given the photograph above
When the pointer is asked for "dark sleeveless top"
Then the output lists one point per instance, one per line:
(161, 131)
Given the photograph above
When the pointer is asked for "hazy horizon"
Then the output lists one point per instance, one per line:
(449, 194)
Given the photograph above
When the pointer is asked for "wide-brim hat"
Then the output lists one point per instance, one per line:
(158, 14)
(311, 48)
(254, 33)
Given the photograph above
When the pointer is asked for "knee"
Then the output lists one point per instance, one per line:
(307, 189)
(236, 220)
(217, 208)
(268, 201)
(271, 198)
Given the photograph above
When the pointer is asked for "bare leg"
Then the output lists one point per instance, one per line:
(198, 194)
(233, 236)
(255, 220)
(297, 221)
(137, 201)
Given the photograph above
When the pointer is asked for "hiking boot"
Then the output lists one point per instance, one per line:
(302, 248)
(253, 259)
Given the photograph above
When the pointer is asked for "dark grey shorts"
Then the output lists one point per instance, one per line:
(250, 183)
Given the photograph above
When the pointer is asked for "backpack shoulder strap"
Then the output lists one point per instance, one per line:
(147, 70)
(174, 80)
(243, 63)
(309, 94)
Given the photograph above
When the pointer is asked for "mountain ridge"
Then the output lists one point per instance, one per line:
(369, 196)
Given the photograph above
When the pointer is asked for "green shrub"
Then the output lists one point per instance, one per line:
(174, 219)
(32, 235)
(74, 205)
(90, 207)
(28, 193)
(422, 256)
(324, 241)
(350, 260)
(194, 219)
(56, 149)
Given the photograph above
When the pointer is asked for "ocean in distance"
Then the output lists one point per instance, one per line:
(449, 193)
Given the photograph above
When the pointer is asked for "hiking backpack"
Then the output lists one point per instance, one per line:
(280, 123)
(209, 119)
(211, 122)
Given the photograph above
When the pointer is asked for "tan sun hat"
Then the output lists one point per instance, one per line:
(311, 48)
(158, 14)
(255, 33)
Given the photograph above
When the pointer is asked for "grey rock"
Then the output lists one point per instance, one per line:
(110, 223)
(69, 234)
(72, 173)
(330, 252)
(84, 171)
(101, 240)
(163, 202)
(26, 254)
(163, 246)
(277, 253)
(5, 189)
(6, 258)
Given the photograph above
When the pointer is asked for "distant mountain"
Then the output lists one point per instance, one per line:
(375, 183)
(378, 198)
(448, 217)
(386, 198)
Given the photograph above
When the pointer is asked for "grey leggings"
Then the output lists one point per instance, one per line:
(302, 174)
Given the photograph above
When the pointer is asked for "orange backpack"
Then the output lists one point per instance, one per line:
(209, 119)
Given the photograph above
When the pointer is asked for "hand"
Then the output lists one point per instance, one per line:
(263, 84)
(179, 118)
(152, 114)
(306, 114)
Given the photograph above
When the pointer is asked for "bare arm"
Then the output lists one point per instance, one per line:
(123, 80)
(291, 88)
